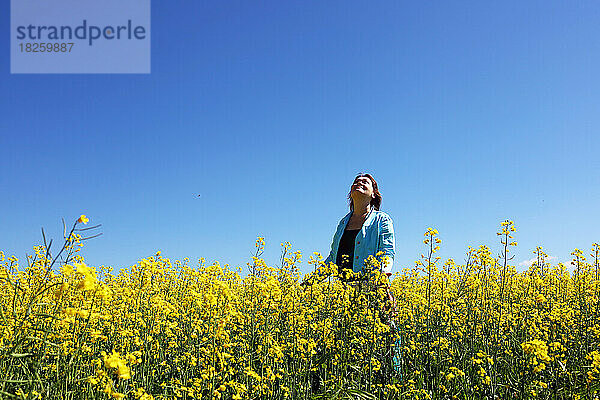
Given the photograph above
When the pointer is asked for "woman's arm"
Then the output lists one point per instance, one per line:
(386, 244)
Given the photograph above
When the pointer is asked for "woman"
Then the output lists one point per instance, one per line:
(364, 231)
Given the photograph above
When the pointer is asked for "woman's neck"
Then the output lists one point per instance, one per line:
(361, 209)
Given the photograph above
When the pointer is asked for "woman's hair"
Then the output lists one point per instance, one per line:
(376, 201)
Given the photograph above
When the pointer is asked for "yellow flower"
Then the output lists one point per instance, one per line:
(123, 371)
(83, 219)
(67, 269)
(89, 276)
(540, 298)
(58, 292)
(115, 362)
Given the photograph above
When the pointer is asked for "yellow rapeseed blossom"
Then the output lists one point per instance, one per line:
(89, 276)
(167, 329)
(116, 363)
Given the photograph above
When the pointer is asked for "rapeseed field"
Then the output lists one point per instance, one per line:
(165, 329)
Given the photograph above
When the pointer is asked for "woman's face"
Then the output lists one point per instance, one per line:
(362, 186)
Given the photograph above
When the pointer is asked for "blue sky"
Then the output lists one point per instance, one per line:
(466, 113)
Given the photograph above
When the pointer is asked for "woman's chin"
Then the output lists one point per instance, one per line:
(356, 195)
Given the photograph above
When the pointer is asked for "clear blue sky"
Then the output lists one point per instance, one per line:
(467, 113)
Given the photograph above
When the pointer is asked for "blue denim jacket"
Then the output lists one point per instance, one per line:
(376, 234)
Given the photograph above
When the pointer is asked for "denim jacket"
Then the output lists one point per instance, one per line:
(376, 234)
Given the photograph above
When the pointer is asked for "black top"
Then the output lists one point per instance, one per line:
(346, 247)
